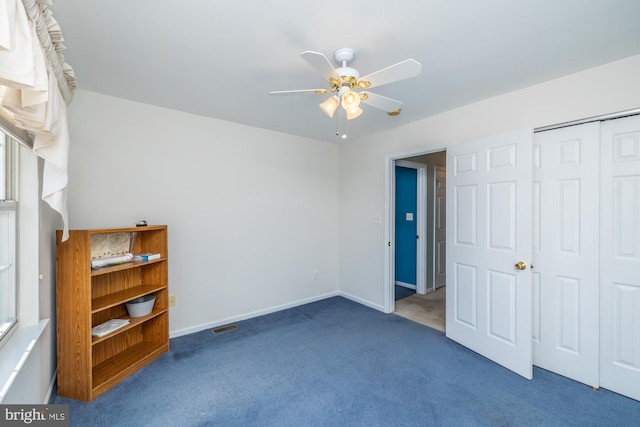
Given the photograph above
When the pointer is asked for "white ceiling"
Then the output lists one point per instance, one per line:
(221, 59)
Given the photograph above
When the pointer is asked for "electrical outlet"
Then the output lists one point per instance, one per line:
(172, 300)
(315, 274)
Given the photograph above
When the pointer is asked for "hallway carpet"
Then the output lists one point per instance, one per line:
(428, 310)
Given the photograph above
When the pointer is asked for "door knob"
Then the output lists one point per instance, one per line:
(520, 265)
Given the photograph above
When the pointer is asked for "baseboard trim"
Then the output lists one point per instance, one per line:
(362, 301)
(226, 321)
(406, 285)
(52, 384)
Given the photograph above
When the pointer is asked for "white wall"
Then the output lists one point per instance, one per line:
(251, 213)
(610, 88)
(50, 221)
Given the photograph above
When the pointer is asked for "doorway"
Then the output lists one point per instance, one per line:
(425, 305)
(409, 228)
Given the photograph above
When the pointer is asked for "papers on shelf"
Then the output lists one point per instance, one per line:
(108, 327)
(103, 262)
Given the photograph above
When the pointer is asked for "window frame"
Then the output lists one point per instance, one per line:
(8, 202)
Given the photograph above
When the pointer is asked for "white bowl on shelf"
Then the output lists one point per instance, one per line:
(141, 306)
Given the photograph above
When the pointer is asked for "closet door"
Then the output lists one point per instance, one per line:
(565, 251)
(620, 256)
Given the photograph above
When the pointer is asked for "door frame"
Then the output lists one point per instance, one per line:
(434, 260)
(421, 218)
(391, 161)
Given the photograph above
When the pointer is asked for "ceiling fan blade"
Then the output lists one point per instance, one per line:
(299, 92)
(381, 102)
(321, 64)
(393, 73)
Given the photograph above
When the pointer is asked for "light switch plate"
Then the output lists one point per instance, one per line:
(409, 216)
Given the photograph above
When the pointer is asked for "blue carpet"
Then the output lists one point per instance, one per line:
(338, 363)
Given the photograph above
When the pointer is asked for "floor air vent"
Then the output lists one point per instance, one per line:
(224, 328)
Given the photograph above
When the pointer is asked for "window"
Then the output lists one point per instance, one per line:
(8, 242)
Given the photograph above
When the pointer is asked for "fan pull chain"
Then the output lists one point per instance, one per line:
(344, 126)
(341, 117)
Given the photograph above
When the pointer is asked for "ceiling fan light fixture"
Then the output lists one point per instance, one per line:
(330, 105)
(350, 101)
(352, 114)
(345, 80)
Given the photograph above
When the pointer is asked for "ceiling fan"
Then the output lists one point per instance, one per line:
(349, 89)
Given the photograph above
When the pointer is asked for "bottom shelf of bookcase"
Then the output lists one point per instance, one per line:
(112, 371)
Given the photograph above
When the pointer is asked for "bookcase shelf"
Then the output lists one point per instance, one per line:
(88, 365)
(133, 322)
(116, 298)
(124, 266)
(111, 372)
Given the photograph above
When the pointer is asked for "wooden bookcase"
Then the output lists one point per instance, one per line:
(86, 297)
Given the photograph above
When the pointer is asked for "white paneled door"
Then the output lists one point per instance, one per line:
(620, 256)
(489, 247)
(566, 251)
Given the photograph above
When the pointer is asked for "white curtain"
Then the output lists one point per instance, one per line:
(35, 87)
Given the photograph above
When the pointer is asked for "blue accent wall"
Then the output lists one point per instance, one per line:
(406, 231)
